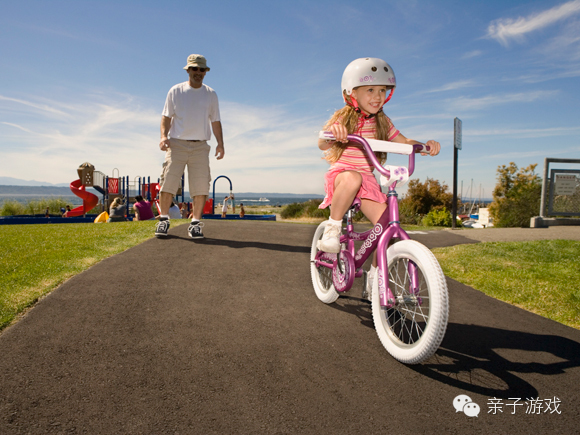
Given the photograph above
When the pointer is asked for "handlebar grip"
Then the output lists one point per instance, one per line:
(421, 148)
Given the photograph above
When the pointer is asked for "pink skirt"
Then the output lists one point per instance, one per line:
(369, 189)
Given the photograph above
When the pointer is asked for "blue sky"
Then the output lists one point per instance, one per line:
(87, 80)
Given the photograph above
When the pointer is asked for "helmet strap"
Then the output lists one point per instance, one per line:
(354, 104)
(389, 97)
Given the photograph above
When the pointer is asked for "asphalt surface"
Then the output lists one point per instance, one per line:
(226, 336)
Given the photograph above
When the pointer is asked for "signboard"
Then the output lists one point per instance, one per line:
(565, 184)
(457, 133)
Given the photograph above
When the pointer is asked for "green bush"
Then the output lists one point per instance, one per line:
(39, 207)
(407, 214)
(312, 210)
(309, 209)
(421, 198)
(320, 213)
(438, 218)
(98, 209)
(292, 211)
(12, 208)
(516, 197)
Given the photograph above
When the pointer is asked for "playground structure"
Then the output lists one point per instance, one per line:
(110, 188)
(121, 186)
(209, 209)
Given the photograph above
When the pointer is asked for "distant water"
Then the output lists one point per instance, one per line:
(271, 201)
(75, 200)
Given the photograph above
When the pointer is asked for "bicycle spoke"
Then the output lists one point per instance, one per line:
(409, 318)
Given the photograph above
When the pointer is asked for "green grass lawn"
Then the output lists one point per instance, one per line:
(540, 276)
(34, 259)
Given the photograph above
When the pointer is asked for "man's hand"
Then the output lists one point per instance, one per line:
(219, 151)
(164, 144)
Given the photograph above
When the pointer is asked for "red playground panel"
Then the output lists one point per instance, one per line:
(154, 190)
(114, 185)
(208, 207)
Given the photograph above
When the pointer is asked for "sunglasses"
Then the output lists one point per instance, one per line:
(194, 68)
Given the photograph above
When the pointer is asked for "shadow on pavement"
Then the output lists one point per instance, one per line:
(357, 307)
(483, 360)
(486, 360)
(249, 244)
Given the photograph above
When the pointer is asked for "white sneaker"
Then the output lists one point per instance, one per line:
(330, 241)
(368, 290)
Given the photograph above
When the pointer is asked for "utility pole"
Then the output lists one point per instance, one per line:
(456, 147)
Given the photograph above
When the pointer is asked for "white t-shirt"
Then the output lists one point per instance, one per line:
(192, 111)
(174, 212)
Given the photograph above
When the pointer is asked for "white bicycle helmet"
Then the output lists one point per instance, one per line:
(368, 71)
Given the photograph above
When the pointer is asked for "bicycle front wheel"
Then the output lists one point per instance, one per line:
(413, 329)
(321, 276)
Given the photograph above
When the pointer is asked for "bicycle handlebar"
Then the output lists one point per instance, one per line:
(372, 145)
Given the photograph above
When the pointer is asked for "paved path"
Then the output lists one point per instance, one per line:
(520, 234)
(226, 336)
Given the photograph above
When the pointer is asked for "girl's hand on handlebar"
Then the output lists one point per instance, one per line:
(339, 132)
(434, 148)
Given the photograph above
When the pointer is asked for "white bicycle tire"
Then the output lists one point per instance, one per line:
(397, 327)
(321, 276)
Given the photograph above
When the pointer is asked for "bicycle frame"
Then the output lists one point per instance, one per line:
(386, 228)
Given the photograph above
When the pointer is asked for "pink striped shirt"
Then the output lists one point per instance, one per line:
(354, 158)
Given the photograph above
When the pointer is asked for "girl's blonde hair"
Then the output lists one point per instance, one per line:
(116, 202)
(351, 120)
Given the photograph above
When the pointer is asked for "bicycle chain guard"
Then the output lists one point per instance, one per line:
(343, 271)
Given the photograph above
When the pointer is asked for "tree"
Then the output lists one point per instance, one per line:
(516, 197)
(421, 198)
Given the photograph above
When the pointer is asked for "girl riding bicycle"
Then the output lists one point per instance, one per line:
(365, 85)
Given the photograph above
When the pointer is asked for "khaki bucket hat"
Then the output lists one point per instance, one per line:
(196, 60)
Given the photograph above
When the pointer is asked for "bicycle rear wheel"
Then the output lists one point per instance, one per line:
(413, 329)
(321, 276)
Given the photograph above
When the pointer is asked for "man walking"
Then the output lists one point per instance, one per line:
(191, 108)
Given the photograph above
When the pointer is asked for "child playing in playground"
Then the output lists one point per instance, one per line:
(142, 209)
(367, 85)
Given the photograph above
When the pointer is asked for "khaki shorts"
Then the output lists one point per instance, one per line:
(194, 155)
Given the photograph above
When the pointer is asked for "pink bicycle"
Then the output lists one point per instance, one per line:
(410, 308)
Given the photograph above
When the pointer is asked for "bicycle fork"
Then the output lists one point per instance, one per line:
(390, 220)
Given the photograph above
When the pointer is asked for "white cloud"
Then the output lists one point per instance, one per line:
(43, 108)
(454, 86)
(466, 103)
(472, 54)
(505, 29)
(526, 132)
(267, 150)
(564, 47)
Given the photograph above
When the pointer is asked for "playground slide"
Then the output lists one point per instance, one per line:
(89, 200)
